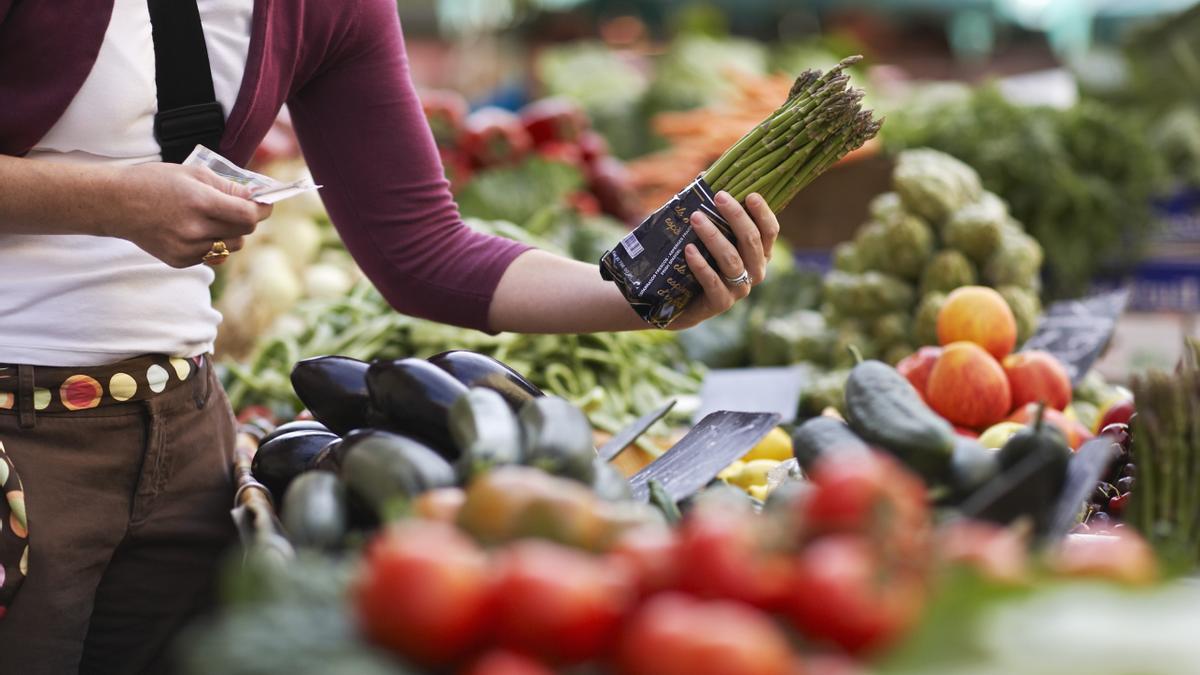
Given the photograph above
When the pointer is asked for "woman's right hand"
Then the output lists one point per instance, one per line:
(175, 213)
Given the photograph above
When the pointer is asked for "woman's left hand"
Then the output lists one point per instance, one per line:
(756, 228)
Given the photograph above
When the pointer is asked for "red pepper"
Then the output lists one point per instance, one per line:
(446, 112)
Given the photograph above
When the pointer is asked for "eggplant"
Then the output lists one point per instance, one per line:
(477, 370)
(289, 427)
(334, 389)
(380, 466)
(328, 459)
(413, 397)
(485, 430)
(281, 459)
(558, 438)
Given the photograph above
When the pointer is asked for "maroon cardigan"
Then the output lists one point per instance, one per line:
(340, 66)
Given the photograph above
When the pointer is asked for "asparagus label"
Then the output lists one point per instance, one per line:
(631, 245)
(819, 123)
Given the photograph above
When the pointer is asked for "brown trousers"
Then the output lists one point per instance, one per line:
(128, 509)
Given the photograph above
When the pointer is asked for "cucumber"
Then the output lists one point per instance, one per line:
(379, 466)
(558, 438)
(478, 370)
(485, 430)
(314, 510)
(278, 461)
(609, 483)
(825, 436)
(971, 465)
(334, 389)
(884, 409)
(413, 397)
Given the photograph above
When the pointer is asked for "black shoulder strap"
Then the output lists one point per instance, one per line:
(188, 111)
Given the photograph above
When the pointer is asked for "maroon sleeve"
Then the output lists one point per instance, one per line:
(365, 138)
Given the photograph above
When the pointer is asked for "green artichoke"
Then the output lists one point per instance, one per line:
(948, 270)
(866, 295)
(891, 329)
(845, 257)
(1018, 260)
(792, 338)
(904, 246)
(886, 207)
(933, 184)
(976, 228)
(827, 390)
(897, 352)
(1025, 306)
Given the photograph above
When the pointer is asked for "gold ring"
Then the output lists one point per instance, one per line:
(217, 254)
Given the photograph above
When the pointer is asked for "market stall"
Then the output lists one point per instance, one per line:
(912, 452)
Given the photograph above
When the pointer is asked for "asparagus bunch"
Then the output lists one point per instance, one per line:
(1165, 503)
(820, 122)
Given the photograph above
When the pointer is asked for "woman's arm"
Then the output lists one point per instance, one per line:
(173, 212)
(365, 137)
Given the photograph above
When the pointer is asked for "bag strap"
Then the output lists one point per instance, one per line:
(188, 111)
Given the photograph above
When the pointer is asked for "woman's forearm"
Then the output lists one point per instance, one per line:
(39, 197)
(545, 293)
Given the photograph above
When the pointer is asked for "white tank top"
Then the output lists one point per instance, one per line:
(77, 300)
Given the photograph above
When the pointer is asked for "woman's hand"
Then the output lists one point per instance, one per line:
(756, 229)
(176, 213)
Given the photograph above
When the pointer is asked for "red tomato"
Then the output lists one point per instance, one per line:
(424, 592)
(653, 555)
(584, 202)
(842, 595)
(554, 119)
(723, 553)
(560, 604)
(593, 145)
(562, 152)
(863, 495)
(673, 634)
(500, 662)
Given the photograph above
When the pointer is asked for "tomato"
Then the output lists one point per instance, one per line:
(997, 553)
(593, 146)
(874, 495)
(843, 595)
(441, 504)
(559, 604)
(652, 553)
(584, 202)
(562, 152)
(514, 502)
(724, 553)
(500, 662)
(425, 592)
(673, 634)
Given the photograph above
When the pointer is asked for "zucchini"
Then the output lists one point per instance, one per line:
(314, 510)
(379, 466)
(884, 409)
(478, 370)
(485, 430)
(277, 462)
(334, 389)
(413, 397)
(821, 436)
(289, 427)
(558, 438)
(609, 483)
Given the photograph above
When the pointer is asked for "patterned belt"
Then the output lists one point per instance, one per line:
(58, 390)
(28, 390)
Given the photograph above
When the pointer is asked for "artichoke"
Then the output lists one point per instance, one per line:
(851, 335)
(933, 184)
(925, 321)
(897, 352)
(796, 337)
(866, 295)
(891, 329)
(1025, 306)
(845, 257)
(976, 228)
(1017, 261)
(948, 270)
(899, 247)
(826, 391)
(886, 207)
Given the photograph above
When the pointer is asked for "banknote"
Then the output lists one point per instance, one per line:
(267, 190)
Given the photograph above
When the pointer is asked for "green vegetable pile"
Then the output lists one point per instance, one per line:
(1080, 179)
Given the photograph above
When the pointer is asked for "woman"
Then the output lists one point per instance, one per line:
(117, 437)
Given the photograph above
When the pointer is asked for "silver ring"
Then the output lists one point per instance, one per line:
(742, 279)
